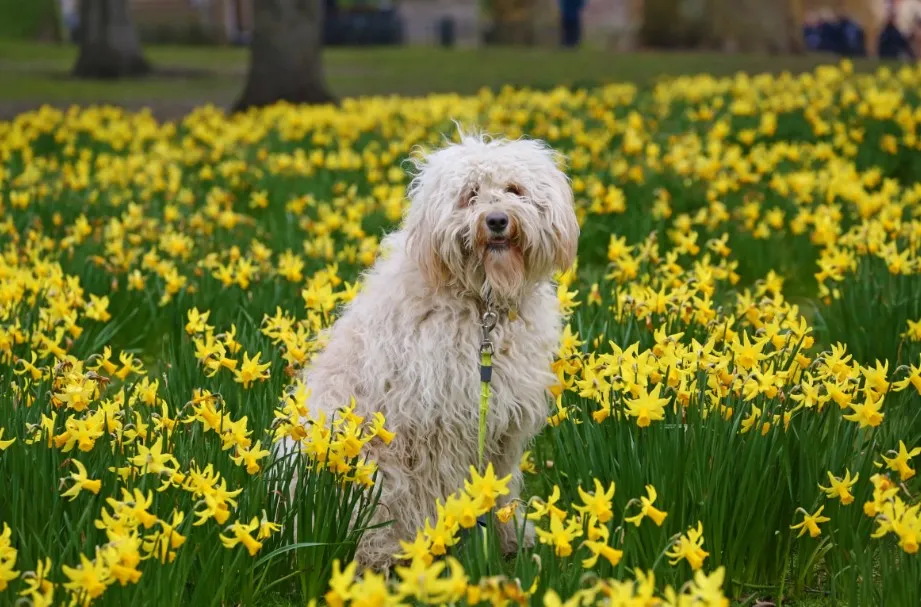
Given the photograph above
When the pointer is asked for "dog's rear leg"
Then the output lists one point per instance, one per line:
(378, 547)
(393, 520)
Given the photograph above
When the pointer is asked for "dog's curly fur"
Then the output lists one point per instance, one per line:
(408, 344)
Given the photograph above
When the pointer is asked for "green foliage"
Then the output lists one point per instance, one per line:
(27, 19)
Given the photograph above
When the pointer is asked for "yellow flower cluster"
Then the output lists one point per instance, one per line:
(748, 281)
(424, 578)
(702, 591)
(893, 515)
(113, 401)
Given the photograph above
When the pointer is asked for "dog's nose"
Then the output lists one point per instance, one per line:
(497, 222)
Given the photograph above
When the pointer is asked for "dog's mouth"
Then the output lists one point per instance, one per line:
(497, 244)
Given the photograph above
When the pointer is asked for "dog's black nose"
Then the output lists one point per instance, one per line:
(497, 222)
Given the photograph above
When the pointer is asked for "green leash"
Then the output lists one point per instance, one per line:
(490, 319)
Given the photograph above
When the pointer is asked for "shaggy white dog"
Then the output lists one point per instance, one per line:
(489, 223)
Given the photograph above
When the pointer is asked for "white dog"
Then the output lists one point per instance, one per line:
(489, 223)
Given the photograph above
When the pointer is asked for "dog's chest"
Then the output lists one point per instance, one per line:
(446, 373)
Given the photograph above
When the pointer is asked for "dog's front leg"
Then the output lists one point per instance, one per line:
(517, 531)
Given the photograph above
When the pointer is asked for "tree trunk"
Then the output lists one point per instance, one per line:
(661, 24)
(757, 26)
(514, 21)
(109, 45)
(285, 61)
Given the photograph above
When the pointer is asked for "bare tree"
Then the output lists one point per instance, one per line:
(765, 26)
(285, 54)
(109, 44)
(757, 26)
(514, 21)
(662, 26)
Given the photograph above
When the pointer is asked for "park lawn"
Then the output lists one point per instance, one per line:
(703, 208)
(33, 73)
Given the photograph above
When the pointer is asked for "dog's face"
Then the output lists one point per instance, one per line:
(491, 217)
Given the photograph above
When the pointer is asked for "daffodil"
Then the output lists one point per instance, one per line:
(689, 547)
(251, 370)
(547, 508)
(5, 444)
(598, 504)
(647, 509)
(82, 482)
(8, 556)
(899, 463)
(600, 548)
(440, 536)
(526, 465)
(89, 579)
(417, 549)
(560, 535)
(488, 487)
(250, 457)
(97, 308)
(38, 588)
(810, 522)
(868, 413)
(841, 488)
(647, 406)
(153, 460)
(240, 533)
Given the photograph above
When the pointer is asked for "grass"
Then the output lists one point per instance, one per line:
(33, 73)
(743, 486)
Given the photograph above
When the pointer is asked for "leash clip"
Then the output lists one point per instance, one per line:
(490, 319)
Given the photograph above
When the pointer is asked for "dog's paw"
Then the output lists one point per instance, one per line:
(376, 561)
(529, 537)
(513, 535)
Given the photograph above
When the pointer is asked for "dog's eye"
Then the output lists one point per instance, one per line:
(468, 196)
(513, 189)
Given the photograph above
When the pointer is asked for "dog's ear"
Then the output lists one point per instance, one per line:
(419, 222)
(562, 214)
(420, 246)
(566, 241)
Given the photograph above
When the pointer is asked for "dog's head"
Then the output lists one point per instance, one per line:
(491, 216)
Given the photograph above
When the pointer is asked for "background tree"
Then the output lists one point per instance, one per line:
(285, 54)
(663, 25)
(109, 43)
(513, 20)
(757, 26)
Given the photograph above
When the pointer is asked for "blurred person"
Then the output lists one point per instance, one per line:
(893, 43)
(571, 21)
(831, 35)
(852, 37)
(70, 15)
(812, 34)
(907, 18)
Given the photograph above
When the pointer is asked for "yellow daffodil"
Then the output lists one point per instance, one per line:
(810, 523)
(82, 482)
(841, 488)
(689, 547)
(488, 487)
(240, 533)
(251, 370)
(899, 463)
(560, 536)
(647, 509)
(598, 504)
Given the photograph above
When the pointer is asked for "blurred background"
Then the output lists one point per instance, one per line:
(174, 55)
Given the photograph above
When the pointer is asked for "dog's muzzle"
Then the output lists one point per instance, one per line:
(497, 223)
